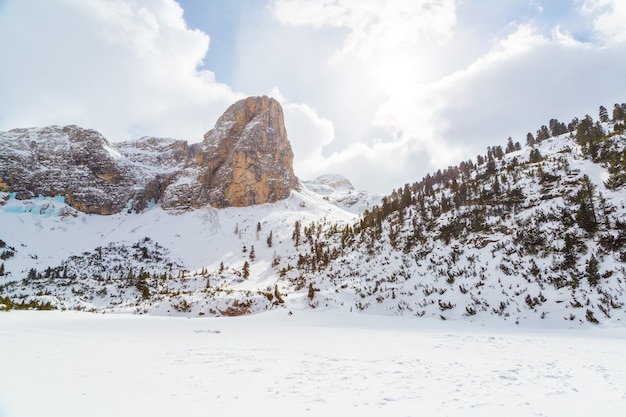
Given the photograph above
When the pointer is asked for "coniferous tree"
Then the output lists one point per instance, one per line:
(543, 133)
(589, 136)
(586, 216)
(252, 254)
(618, 113)
(246, 269)
(510, 146)
(571, 127)
(535, 156)
(296, 233)
(530, 139)
(592, 271)
(270, 240)
(569, 251)
(491, 166)
(557, 128)
(407, 198)
(603, 114)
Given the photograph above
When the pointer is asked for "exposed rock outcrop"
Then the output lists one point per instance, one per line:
(246, 159)
(92, 174)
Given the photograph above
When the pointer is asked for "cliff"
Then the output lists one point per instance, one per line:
(245, 160)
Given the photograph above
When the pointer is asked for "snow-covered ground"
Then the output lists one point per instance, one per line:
(305, 364)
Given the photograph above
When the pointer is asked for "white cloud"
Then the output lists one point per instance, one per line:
(383, 91)
(442, 99)
(126, 68)
(374, 26)
(609, 17)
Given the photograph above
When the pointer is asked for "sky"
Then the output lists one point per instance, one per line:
(381, 91)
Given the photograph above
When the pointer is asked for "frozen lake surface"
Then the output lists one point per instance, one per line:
(305, 364)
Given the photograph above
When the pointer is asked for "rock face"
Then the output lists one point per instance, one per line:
(246, 159)
(79, 164)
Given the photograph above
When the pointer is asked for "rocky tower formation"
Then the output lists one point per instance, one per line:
(246, 159)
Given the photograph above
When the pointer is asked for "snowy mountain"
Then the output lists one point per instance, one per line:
(530, 234)
(338, 190)
(245, 159)
(152, 260)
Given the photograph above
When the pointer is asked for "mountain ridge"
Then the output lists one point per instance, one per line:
(245, 159)
(531, 234)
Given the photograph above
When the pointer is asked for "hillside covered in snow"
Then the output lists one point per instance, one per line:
(525, 233)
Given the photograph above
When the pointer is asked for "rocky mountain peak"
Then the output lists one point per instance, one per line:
(335, 182)
(245, 159)
(250, 157)
(245, 114)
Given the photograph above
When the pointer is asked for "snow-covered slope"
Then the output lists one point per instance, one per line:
(338, 190)
(144, 261)
(531, 235)
(534, 235)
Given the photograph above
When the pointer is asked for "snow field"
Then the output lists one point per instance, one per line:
(312, 364)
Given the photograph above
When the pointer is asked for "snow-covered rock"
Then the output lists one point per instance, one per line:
(245, 160)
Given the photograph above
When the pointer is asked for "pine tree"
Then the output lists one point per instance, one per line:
(618, 113)
(510, 146)
(592, 272)
(296, 233)
(32, 273)
(603, 114)
(557, 128)
(311, 291)
(535, 156)
(573, 125)
(530, 139)
(252, 254)
(407, 198)
(491, 166)
(270, 241)
(542, 134)
(586, 215)
(2, 269)
(246, 269)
